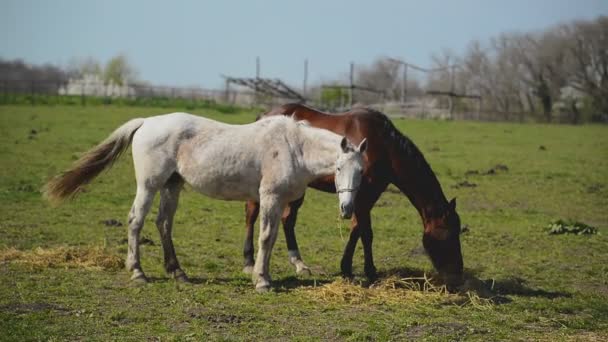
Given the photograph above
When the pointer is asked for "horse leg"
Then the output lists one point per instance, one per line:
(362, 227)
(290, 215)
(169, 198)
(270, 210)
(141, 207)
(346, 265)
(252, 209)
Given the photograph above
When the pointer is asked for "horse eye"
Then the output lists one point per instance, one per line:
(338, 169)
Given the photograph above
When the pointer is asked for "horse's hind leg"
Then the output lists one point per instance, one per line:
(270, 213)
(252, 209)
(139, 210)
(169, 198)
(290, 215)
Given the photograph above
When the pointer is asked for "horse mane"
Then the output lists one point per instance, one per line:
(404, 148)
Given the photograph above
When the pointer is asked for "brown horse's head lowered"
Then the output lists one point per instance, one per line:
(441, 240)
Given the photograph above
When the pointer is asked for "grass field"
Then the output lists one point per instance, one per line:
(541, 286)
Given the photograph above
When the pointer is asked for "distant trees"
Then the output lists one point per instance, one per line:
(118, 70)
(18, 70)
(561, 71)
(587, 60)
(534, 73)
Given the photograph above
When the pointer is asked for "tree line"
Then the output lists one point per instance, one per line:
(117, 70)
(560, 71)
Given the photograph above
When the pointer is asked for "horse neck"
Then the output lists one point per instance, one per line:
(416, 180)
(320, 149)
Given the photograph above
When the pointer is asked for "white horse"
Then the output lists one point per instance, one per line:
(229, 162)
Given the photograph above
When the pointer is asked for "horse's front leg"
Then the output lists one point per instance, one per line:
(364, 224)
(270, 214)
(252, 209)
(290, 215)
(362, 227)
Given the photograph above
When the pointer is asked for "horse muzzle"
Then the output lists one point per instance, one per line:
(346, 211)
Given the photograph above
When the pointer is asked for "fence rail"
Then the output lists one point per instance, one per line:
(26, 91)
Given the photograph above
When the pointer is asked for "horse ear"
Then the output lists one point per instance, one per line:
(452, 205)
(362, 146)
(344, 145)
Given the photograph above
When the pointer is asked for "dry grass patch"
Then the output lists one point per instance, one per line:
(397, 290)
(90, 257)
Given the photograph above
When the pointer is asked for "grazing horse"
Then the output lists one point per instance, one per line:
(391, 158)
(229, 162)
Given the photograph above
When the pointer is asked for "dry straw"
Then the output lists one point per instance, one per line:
(397, 290)
(91, 257)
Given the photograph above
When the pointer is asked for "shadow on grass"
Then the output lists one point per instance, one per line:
(494, 289)
(292, 282)
(516, 286)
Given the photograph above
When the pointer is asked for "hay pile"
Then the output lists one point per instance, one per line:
(91, 257)
(397, 290)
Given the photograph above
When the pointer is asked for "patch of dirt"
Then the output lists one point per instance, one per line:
(112, 223)
(464, 184)
(594, 188)
(23, 308)
(492, 171)
(496, 169)
(217, 320)
(542, 148)
(452, 329)
(32, 134)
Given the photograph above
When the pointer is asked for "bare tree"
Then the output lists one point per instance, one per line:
(78, 67)
(382, 75)
(588, 60)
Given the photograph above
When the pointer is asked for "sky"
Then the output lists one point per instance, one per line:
(192, 43)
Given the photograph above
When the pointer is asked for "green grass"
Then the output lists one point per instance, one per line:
(552, 287)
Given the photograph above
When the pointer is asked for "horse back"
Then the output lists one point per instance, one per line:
(356, 124)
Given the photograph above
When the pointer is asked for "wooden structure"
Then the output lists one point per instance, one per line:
(267, 86)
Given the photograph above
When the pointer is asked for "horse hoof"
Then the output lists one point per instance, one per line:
(262, 284)
(139, 279)
(248, 269)
(181, 277)
(262, 288)
(347, 276)
(303, 271)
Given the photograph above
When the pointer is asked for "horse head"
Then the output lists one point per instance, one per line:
(442, 242)
(349, 171)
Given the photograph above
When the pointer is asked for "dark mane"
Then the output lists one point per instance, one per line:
(400, 142)
(403, 147)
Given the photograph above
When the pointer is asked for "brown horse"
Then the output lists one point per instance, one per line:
(391, 158)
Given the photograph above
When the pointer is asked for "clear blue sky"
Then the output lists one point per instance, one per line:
(192, 42)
